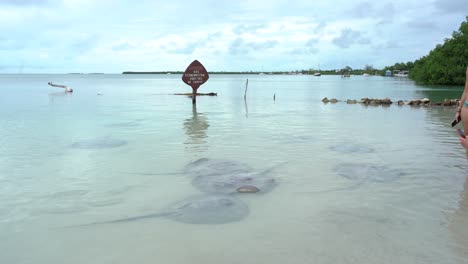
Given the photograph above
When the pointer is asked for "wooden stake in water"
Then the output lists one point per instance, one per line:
(246, 86)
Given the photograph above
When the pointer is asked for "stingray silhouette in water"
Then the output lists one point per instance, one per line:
(361, 173)
(366, 172)
(99, 143)
(226, 176)
(201, 209)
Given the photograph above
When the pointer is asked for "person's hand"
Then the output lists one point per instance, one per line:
(463, 141)
(457, 115)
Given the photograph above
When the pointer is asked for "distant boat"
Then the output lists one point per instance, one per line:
(318, 73)
(402, 73)
(366, 74)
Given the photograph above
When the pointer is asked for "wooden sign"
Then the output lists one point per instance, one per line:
(195, 75)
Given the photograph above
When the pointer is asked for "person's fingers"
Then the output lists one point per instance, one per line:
(462, 141)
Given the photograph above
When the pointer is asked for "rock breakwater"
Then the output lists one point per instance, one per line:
(388, 101)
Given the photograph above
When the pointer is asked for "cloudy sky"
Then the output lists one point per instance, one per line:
(61, 36)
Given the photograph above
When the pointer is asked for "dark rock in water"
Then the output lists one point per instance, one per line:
(376, 101)
(351, 148)
(205, 209)
(248, 189)
(386, 101)
(447, 102)
(99, 143)
(364, 172)
(364, 100)
(326, 100)
(225, 176)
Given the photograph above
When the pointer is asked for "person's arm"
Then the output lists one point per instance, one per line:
(463, 97)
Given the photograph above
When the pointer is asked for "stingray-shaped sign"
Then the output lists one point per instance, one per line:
(195, 75)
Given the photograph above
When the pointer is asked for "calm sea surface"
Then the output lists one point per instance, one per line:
(355, 184)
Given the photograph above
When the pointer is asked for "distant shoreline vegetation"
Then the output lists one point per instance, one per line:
(215, 72)
(299, 72)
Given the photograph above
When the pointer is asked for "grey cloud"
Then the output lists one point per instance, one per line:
(84, 43)
(122, 46)
(298, 51)
(303, 51)
(320, 27)
(386, 45)
(187, 49)
(24, 2)
(263, 45)
(451, 6)
(311, 46)
(214, 35)
(190, 47)
(362, 9)
(349, 37)
(391, 45)
(311, 42)
(313, 50)
(241, 29)
(9, 44)
(239, 46)
(367, 9)
(387, 13)
(421, 25)
(11, 68)
(384, 22)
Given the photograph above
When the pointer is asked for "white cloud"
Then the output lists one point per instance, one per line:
(349, 37)
(112, 36)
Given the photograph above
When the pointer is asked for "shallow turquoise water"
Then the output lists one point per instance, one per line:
(314, 214)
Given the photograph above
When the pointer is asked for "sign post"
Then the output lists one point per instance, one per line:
(195, 75)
